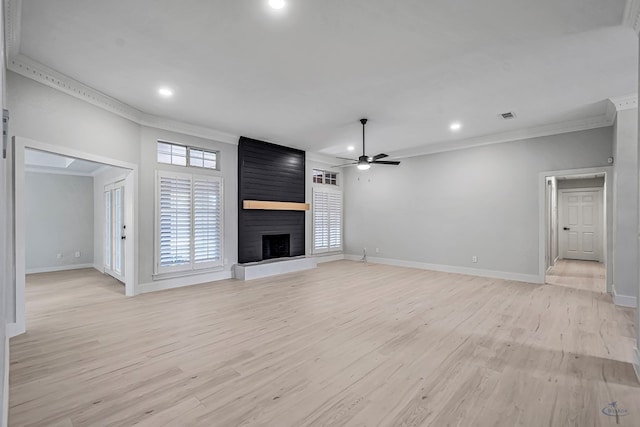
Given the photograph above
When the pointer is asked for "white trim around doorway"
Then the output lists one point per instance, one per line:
(608, 213)
(20, 144)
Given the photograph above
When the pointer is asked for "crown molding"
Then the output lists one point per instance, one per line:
(620, 103)
(187, 129)
(321, 158)
(42, 74)
(626, 102)
(12, 20)
(632, 15)
(34, 70)
(535, 132)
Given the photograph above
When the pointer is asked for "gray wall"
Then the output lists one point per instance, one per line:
(444, 208)
(59, 211)
(625, 206)
(49, 116)
(148, 168)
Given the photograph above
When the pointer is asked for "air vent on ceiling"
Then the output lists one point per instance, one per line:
(508, 115)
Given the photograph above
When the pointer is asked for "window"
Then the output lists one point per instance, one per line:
(202, 158)
(181, 155)
(317, 176)
(325, 177)
(327, 221)
(172, 154)
(189, 222)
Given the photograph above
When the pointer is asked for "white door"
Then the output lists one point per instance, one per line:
(580, 225)
(115, 230)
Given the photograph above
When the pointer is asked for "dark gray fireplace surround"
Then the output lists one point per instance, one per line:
(269, 172)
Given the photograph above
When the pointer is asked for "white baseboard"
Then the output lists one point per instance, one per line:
(58, 268)
(180, 282)
(623, 300)
(14, 329)
(328, 258)
(636, 362)
(518, 277)
(100, 268)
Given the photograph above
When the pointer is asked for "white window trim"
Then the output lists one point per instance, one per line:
(326, 189)
(193, 267)
(324, 173)
(188, 149)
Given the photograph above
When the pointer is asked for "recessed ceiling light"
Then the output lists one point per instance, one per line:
(165, 92)
(455, 126)
(351, 148)
(276, 4)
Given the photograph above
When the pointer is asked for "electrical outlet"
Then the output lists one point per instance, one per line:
(59, 255)
(474, 259)
(77, 254)
(377, 250)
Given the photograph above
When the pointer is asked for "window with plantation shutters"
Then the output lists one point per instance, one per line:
(207, 238)
(327, 220)
(189, 222)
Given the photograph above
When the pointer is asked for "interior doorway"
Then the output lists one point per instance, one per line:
(108, 170)
(575, 229)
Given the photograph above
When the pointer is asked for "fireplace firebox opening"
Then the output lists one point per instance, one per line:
(275, 246)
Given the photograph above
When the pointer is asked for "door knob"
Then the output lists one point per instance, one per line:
(566, 228)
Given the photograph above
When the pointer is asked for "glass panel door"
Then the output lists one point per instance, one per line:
(114, 230)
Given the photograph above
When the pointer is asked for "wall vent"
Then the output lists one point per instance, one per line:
(508, 115)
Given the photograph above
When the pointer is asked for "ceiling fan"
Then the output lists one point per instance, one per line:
(364, 162)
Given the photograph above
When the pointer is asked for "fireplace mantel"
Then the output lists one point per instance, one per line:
(274, 206)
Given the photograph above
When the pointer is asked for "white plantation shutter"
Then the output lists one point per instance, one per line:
(175, 221)
(335, 221)
(207, 220)
(189, 222)
(320, 221)
(327, 220)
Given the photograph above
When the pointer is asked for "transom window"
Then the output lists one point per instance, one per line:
(325, 177)
(181, 155)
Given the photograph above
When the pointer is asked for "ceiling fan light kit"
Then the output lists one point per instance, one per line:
(364, 162)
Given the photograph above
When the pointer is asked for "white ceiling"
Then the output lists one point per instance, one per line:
(43, 161)
(303, 76)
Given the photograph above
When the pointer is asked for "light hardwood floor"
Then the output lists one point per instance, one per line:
(585, 275)
(345, 344)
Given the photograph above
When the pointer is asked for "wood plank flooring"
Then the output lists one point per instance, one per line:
(346, 344)
(585, 275)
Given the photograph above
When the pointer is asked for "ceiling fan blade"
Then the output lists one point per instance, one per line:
(379, 156)
(386, 162)
(344, 158)
(345, 164)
